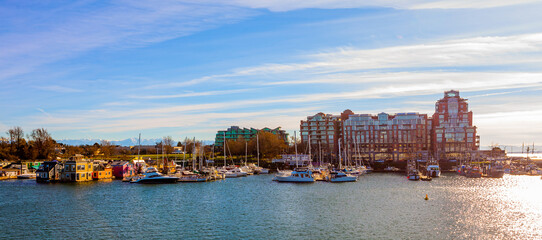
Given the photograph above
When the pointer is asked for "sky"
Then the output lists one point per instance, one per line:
(112, 70)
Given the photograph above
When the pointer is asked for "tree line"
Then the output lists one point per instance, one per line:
(37, 145)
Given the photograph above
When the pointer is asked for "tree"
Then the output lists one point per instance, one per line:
(271, 145)
(42, 144)
(107, 148)
(168, 144)
(17, 142)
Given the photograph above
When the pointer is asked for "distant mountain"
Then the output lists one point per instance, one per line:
(125, 142)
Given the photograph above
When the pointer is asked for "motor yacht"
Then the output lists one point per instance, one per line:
(339, 176)
(235, 172)
(151, 175)
(299, 175)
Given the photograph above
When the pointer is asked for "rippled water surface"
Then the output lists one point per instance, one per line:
(379, 206)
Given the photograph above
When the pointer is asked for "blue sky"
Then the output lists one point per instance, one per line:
(93, 69)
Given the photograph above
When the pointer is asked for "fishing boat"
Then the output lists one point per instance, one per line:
(414, 175)
(299, 175)
(153, 176)
(433, 170)
(339, 176)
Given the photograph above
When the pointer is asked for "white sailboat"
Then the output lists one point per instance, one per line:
(299, 175)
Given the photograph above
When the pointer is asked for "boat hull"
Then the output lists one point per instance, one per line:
(156, 180)
(343, 179)
(294, 180)
(413, 177)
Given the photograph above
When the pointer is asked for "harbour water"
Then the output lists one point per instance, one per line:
(378, 206)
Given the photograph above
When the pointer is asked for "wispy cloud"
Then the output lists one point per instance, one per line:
(286, 5)
(117, 25)
(59, 89)
(479, 51)
(193, 94)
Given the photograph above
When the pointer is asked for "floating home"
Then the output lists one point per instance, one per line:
(101, 171)
(77, 170)
(122, 169)
(49, 171)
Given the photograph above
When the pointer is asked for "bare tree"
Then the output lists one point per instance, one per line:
(43, 145)
(168, 144)
(106, 147)
(17, 141)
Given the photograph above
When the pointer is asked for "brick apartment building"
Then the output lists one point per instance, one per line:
(448, 135)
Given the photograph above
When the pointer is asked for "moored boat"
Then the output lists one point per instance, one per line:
(153, 176)
(299, 175)
(413, 175)
(339, 176)
(433, 170)
(495, 171)
(26, 176)
(474, 172)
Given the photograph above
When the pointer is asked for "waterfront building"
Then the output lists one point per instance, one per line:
(454, 135)
(386, 137)
(101, 171)
(49, 171)
(448, 135)
(122, 169)
(235, 132)
(324, 130)
(77, 169)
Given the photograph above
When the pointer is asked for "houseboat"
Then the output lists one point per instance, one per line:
(77, 170)
(49, 171)
(122, 169)
(101, 171)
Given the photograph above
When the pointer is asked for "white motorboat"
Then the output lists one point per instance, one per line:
(338, 176)
(299, 175)
(414, 175)
(235, 172)
(433, 170)
(152, 175)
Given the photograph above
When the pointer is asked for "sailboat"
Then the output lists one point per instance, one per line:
(299, 175)
(339, 175)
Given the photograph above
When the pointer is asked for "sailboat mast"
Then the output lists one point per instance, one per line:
(139, 146)
(310, 153)
(320, 153)
(194, 154)
(340, 161)
(258, 148)
(295, 146)
(184, 152)
(224, 146)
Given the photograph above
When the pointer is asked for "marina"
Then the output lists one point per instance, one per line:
(255, 207)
